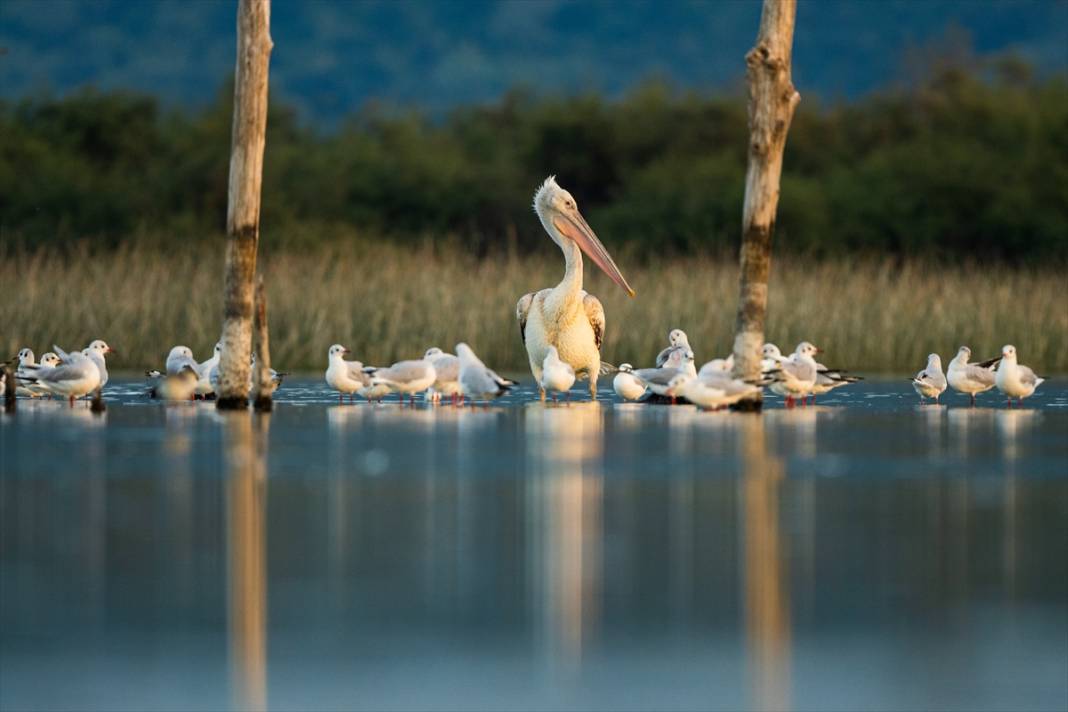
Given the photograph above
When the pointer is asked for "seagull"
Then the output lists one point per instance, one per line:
(717, 366)
(476, 380)
(447, 367)
(28, 366)
(101, 349)
(710, 393)
(828, 379)
(1014, 380)
(76, 375)
(203, 369)
(409, 377)
(181, 386)
(657, 379)
(626, 385)
(344, 376)
(772, 357)
(930, 382)
(556, 376)
(178, 357)
(795, 376)
(971, 378)
(677, 339)
(215, 376)
(566, 316)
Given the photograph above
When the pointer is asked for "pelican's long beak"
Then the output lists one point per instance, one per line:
(575, 227)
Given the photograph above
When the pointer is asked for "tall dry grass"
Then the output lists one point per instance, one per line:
(388, 303)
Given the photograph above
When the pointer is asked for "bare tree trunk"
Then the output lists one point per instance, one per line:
(772, 100)
(262, 383)
(248, 136)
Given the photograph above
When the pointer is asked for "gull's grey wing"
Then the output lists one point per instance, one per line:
(663, 356)
(989, 363)
(1027, 376)
(656, 376)
(447, 367)
(981, 374)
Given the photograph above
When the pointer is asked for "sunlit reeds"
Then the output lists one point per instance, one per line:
(387, 303)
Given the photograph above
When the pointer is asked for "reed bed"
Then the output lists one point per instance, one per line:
(388, 302)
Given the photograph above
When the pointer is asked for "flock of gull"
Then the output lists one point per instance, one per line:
(562, 328)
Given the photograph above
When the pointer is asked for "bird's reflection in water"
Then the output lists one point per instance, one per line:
(767, 613)
(1012, 426)
(245, 443)
(565, 489)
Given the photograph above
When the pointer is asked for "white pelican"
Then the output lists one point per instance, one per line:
(476, 380)
(1014, 380)
(178, 387)
(566, 316)
(409, 377)
(556, 376)
(971, 378)
(626, 385)
(930, 382)
(447, 367)
(344, 376)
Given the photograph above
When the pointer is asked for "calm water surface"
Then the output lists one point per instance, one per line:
(865, 553)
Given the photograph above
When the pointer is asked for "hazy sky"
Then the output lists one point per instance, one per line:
(331, 57)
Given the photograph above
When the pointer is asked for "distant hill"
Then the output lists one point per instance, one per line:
(331, 58)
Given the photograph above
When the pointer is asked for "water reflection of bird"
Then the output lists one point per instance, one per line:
(566, 316)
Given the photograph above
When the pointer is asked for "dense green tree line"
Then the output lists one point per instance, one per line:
(961, 165)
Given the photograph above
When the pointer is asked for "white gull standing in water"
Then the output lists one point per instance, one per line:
(1013, 379)
(971, 378)
(476, 380)
(556, 376)
(930, 382)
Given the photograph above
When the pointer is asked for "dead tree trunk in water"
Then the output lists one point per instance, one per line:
(262, 383)
(247, 138)
(772, 100)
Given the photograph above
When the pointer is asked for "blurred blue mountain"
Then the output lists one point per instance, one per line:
(331, 58)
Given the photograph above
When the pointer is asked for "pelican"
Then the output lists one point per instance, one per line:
(566, 316)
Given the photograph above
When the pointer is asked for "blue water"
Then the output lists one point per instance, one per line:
(864, 553)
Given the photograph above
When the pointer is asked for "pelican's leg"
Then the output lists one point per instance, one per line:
(593, 385)
(541, 393)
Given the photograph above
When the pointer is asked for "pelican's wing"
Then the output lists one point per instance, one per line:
(595, 313)
(522, 308)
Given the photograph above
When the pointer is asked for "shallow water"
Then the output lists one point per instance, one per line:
(865, 553)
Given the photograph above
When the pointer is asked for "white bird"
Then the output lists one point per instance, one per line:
(447, 368)
(344, 376)
(930, 382)
(556, 376)
(203, 369)
(1014, 380)
(178, 357)
(657, 379)
(828, 379)
(626, 385)
(476, 380)
(772, 357)
(795, 376)
(566, 316)
(715, 392)
(409, 377)
(101, 349)
(181, 386)
(971, 378)
(76, 375)
(215, 376)
(28, 366)
(677, 340)
(717, 366)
